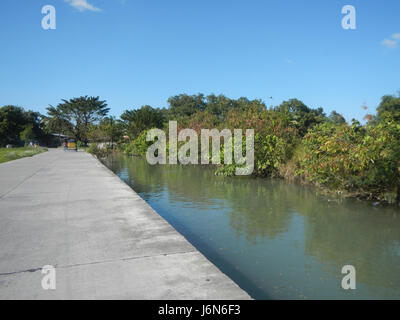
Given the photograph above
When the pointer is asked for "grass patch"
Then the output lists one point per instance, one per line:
(17, 153)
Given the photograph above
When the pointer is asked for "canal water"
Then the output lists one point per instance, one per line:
(275, 239)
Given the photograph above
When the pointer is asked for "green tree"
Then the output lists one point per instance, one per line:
(219, 105)
(136, 121)
(108, 130)
(337, 118)
(56, 122)
(76, 115)
(303, 117)
(11, 123)
(28, 134)
(185, 105)
(390, 105)
(16, 124)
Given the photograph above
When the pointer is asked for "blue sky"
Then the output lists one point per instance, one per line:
(132, 52)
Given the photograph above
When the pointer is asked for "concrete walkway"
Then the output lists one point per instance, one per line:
(67, 210)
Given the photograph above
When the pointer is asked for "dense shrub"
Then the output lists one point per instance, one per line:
(270, 153)
(291, 140)
(138, 146)
(95, 150)
(274, 141)
(360, 160)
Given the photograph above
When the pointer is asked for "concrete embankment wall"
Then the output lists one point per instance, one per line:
(67, 210)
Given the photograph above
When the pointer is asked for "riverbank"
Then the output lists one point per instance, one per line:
(291, 140)
(18, 153)
(67, 210)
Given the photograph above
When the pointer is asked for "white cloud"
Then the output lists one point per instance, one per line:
(82, 5)
(389, 43)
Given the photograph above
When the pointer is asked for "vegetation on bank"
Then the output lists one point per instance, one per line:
(292, 140)
(17, 153)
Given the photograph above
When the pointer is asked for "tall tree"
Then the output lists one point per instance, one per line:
(146, 117)
(389, 106)
(185, 105)
(18, 126)
(302, 117)
(76, 115)
(221, 105)
(337, 118)
(109, 130)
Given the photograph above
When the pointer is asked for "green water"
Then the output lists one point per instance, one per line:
(276, 240)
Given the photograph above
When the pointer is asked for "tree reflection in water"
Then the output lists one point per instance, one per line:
(270, 228)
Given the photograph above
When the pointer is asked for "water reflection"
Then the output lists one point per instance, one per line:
(275, 239)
